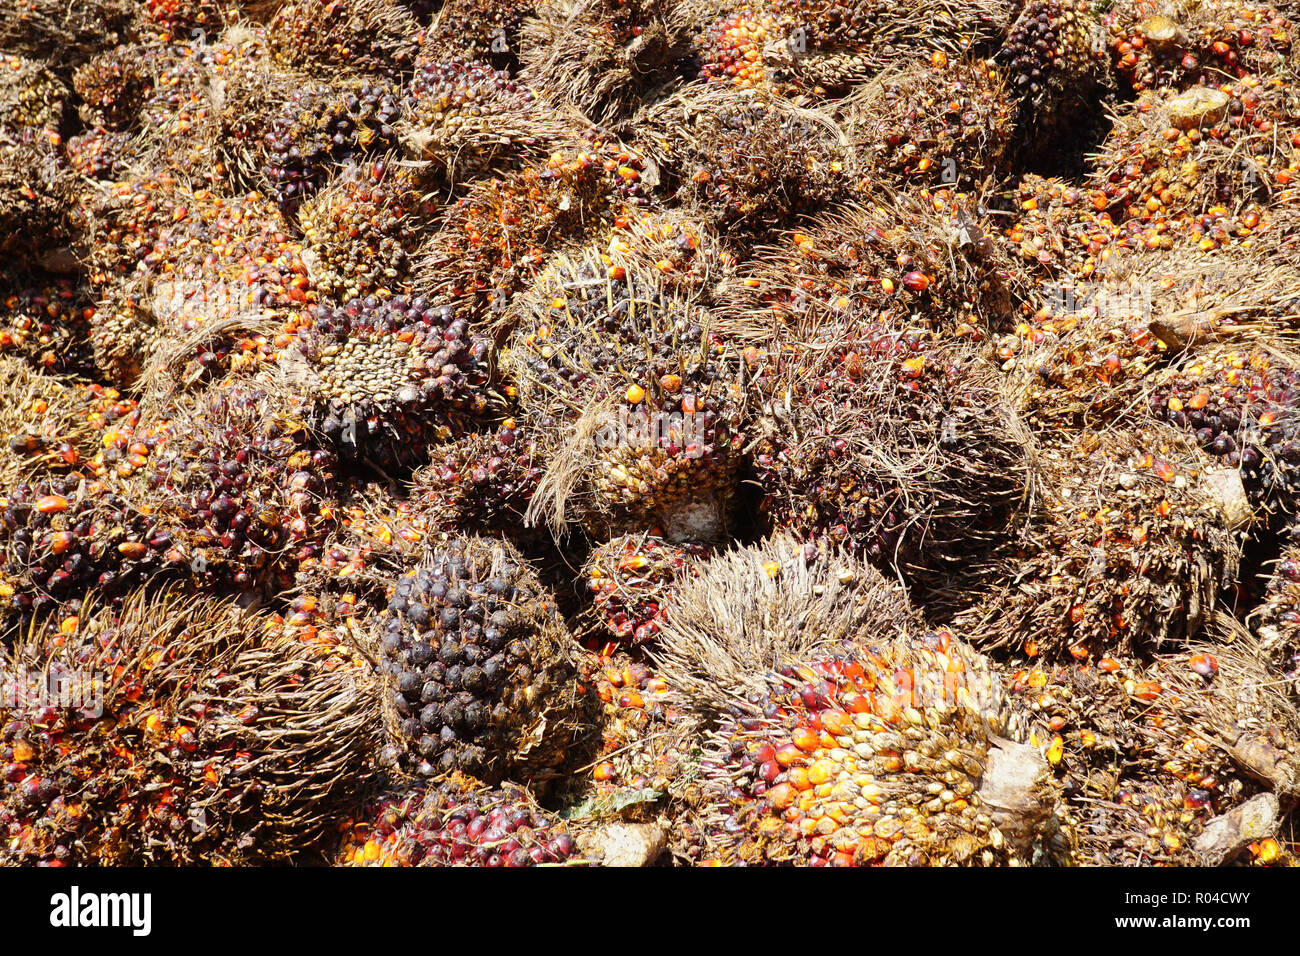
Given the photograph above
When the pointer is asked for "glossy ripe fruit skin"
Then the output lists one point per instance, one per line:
(475, 663)
(456, 822)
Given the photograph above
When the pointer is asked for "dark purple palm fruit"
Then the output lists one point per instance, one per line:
(475, 659)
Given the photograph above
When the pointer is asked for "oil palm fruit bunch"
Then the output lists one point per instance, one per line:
(386, 378)
(730, 49)
(1180, 155)
(601, 56)
(63, 535)
(457, 821)
(1237, 402)
(30, 95)
(321, 125)
(46, 321)
(166, 732)
(47, 423)
(948, 123)
(360, 231)
(632, 580)
(649, 745)
(1148, 755)
(486, 30)
(362, 36)
(476, 666)
(113, 85)
(98, 153)
(1058, 230)
(239, 487)
(63, 33)
(847, 733)
(35, 184)
(496, 239)
(920, 262)
(637, 399)
(1198, 45)
(130, 217)
(464, 117)
(480, 482)
(746, 161)
(900, 450)
(181, 19)
(1053, 54)
(1134, 536)
(1276, 621)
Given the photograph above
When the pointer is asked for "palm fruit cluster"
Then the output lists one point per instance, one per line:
(731, 49)
(166, 733)
(34, 184)
(1148, 754)
(363, 36)
(632, 580)
(638, 397)
(456, 822)
(649, 744)
(475, 661)
(62, 32)
(948, 124)
(463, 117)
(30, 95)
(601, 56)
(1276, 621)
(97, 153)
(321, 125)
(239, 488)
(744, 159)
(486, 30)
(885, 443)
(1237, 403)
(387, 378)
(360, 232)
(480, 481)
(1134, 535)
(1209, 146)
(113, 86)
(495, 240)
(181, 19)
(46, 321)
(1201, 44)
(1053, 53)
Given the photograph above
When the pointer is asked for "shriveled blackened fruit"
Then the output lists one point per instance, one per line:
(1126, 554)
(480, 483)
(387, 378)
(632, 580)
(602, 56)
(364, 36)
(171, 731)
(463, 117)
(946, 124)
(455, 822)
(46, 321)
(360, 231)
(240, 488)
(1241, 406)
(113, 85)
(30, 95)
(322, 125)
(486, 30)
(747, 161)
(1053, 52)
(475, 662)
(638, 399)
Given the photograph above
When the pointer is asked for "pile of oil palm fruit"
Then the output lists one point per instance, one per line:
(649, 432)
